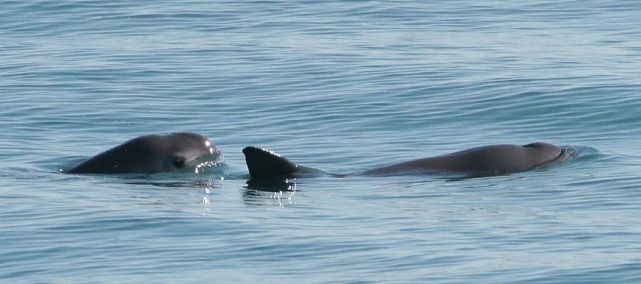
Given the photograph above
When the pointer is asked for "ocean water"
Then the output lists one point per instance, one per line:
(343, 86)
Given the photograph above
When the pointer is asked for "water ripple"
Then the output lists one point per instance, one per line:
(340, 85)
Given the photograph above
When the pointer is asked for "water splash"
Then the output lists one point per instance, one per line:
(201, 167)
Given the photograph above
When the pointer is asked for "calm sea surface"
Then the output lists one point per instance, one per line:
(343, 86)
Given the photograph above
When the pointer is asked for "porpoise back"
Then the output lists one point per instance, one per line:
(485, 160)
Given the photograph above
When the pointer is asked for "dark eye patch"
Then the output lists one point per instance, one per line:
(178, 162)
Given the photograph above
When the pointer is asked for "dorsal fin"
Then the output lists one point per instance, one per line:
(265, 164)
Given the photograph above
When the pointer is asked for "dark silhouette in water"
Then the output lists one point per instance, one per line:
(150, 154)
(480, 161)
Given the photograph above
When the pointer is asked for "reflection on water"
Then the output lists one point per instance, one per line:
(173, 183)
(207, 185)
(207, 202)
(272, 185)
(269, 198)
(270, 193)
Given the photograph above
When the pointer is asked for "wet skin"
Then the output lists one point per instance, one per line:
(485, 160)
(150, 154)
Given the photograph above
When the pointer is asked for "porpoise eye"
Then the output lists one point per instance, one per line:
(178, 162)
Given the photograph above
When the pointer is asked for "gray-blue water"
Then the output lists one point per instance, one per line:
(339, 85)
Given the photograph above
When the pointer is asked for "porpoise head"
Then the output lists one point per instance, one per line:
(543, 153)
(186, 149)
(152, 154)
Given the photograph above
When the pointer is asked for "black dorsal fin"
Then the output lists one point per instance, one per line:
(265, 164)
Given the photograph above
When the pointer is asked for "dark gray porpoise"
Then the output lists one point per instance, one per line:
(486, 160)
(151, 154)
